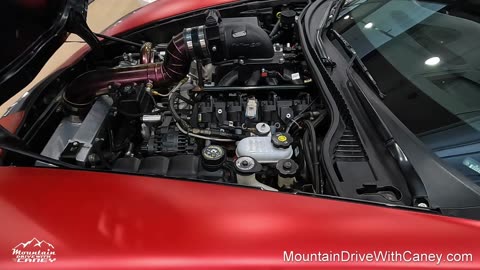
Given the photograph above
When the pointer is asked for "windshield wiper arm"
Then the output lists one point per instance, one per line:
(356, 59)
(333, 14)
(414, 182)
(326, 60)
(326, 21)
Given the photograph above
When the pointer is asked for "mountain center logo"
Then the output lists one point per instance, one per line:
(34, 251)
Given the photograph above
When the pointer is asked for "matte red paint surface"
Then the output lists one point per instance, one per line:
(114, 221)
(161, 9)
(111, 221)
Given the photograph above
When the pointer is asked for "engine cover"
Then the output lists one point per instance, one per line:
(180, 166)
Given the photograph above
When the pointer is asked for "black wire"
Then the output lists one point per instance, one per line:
(275, 29)
(119, 40)
(314, 154)
(306, 153)
(231, 169)
(175, 114)
(188, 101)
(308, 138)
(295, 121)
(285, 78)
(155, 103)
(320, 115)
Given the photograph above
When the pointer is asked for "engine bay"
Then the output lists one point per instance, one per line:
(228, 101)
(241, 94)
(230, 95)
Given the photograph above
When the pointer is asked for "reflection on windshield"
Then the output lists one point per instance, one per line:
(424, 56)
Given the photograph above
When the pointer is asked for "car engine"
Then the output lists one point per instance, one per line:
(228, 101)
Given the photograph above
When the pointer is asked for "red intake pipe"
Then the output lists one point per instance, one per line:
(227, 41)
(83, 90)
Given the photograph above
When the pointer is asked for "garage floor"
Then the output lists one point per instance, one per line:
(101, 14)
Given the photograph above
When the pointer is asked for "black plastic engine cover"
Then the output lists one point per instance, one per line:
(181, 166)
(246, 40)
(235, 38)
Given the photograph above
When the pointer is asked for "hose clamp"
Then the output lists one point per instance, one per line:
(203, 41)
(187, 35)
(196, 42)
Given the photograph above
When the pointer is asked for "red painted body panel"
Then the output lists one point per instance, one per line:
(114, 221)
(158, 10)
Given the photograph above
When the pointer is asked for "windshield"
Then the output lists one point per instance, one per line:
(424, 56)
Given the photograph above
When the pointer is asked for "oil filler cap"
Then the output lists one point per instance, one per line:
(282, 140)
(213, 157)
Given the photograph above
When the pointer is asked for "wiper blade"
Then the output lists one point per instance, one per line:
(333, 14)
(414, 182)
(356, 60)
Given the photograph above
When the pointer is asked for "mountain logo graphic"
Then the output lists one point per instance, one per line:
(34, 251)
(35, 243)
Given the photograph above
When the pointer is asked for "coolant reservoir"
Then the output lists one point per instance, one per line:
(262, 149)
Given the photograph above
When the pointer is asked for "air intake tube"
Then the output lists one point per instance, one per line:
(213, 40)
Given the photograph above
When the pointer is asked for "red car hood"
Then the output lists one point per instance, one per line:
(114, 221)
